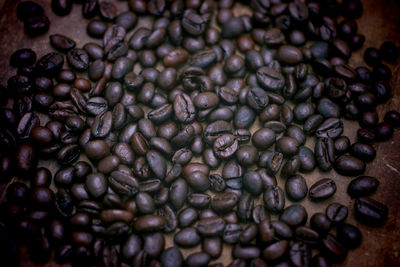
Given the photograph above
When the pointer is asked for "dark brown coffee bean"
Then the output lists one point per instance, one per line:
(212, 226)
(225, 146)
(362, 186)
(336, 212)
(36, 26)
(322, 189)
(349, 165)
(61, 42)
(370, 211)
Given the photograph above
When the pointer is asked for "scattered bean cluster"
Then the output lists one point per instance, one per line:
(150, 134)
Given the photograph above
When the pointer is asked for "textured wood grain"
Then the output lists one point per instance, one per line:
(380, 22)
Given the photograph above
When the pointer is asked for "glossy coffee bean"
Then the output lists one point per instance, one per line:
(274, 199)
(349, 165)
(322, 189)
(336, 212)
(333, 249)
(300, 254)
(296, 188)
(362, 186)
(370, 211)
(349, 235)
(36, 26)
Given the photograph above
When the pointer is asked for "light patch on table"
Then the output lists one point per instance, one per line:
(392, 168)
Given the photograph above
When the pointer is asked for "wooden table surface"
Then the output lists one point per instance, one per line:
(380, 22)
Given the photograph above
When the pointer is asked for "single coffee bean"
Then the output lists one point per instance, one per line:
(263, 138)
(296, 187)
(36, 26)
(300, 254)
(223, 202)
(274, 199)
(370, 211)
(349, 165)
(225, 146)
(333, 249)
(336, 212)
(61, 42)
(287, 145)
(212, 226)
(187, 237)
(266, 231)
(294, 215)
(349, 235)
(362, 186)
(270, 79)
(149, 223)
(276, 250)
(322, 189)
(252, 183)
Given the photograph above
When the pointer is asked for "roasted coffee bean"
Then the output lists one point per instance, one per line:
(184, 109)
(187, 237)
(171, 257)
(61, 7)
(322, 189)
(248, 234)
(245, 206)
(300, 254)
(50, 64)
(274, 198)
(333, 249)
(393, 118)
(383, 131)
(263, 138)
(187, 217)
(22, 57)
(349, 165)
(336, 212)
(270, 79)
(212, 226)
(29, 9)
(123, 183)
(252, 183)
(78, 59)
(349, 235)
(307, 235)
(287, 145)
(231, 233)
(266, 231)
(96, 184)
(156, 163)
(275, 250)
(225, 146)
(149, 223)
(370, 211)
(307, 159)
(36, 26)
(102, 125)
(294, 215)
(362, 151)
(107, 10)
(296, 187)
(212, 246)
(177, 193)
(61, 42)
(223, 202)
(362, 186)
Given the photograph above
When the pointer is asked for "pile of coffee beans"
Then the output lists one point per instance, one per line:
(151, 134)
